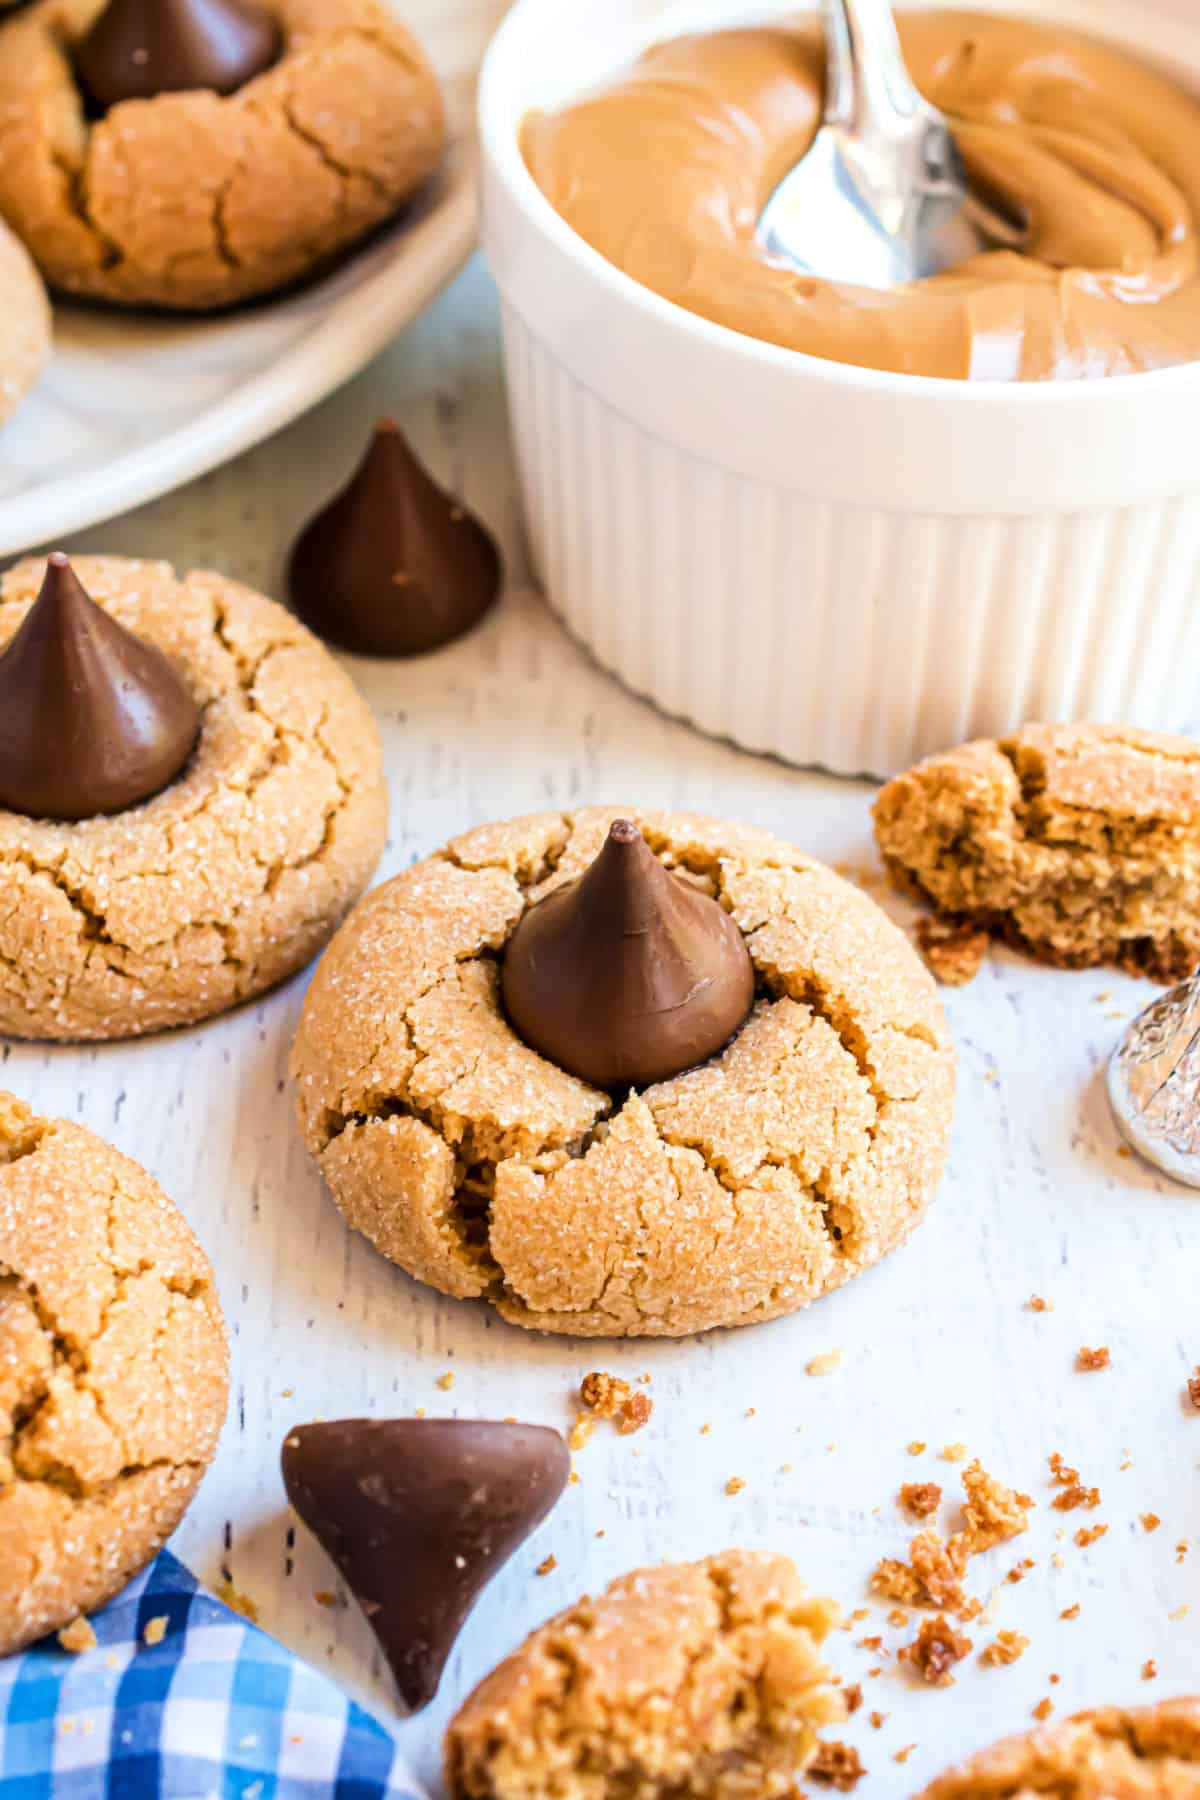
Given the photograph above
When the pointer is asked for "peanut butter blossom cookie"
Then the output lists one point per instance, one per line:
(625, 1077)
(191, 795)
(1114, 1753)
(1079, 843)
(700, 1679)
(197, 153)
(113, 1371)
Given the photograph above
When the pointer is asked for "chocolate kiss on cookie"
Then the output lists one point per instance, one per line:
(393, 566)
(92, 720)
(628, 975)
(419, 1514)
(140, 48)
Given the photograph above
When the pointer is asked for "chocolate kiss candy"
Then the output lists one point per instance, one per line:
(393, 566)
(628, 975)
(92, 720)
(139, 48)
(419, 1514)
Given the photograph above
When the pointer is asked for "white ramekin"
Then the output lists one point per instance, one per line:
(834, 565)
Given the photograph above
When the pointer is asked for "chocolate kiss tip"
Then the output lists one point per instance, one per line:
(418, 1515)
(629, 975)
(393, 565)
(92, 720)
(139, 48)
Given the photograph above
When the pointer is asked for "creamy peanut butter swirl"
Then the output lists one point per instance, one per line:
(666, 171)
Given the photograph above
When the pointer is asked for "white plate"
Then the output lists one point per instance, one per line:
(133, 406)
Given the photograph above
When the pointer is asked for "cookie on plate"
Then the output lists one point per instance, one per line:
(788, 1161)
(702, 1679)
(25, 342)
(113, 1371)
(197, 199)
(1079, 843)
(160, 864)
(1115, 1753)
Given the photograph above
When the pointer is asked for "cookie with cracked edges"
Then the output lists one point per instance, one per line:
(235, 875)
(733, 1193)
(1112, 1753)
(1079, 844)
(114, 1371)
(195, 202)
(702, 1678)
(25, 309)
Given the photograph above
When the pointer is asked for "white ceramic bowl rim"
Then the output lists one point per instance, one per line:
(990, 447)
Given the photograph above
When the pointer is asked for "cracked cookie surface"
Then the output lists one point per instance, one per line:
(1079, 843)
(733, 1193)
(700, 1679)
(1114, 1753)
(232, 877)
(192, 201)
(25, 344)
(113, 1371)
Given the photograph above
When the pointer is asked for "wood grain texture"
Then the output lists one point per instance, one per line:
(938, 1343)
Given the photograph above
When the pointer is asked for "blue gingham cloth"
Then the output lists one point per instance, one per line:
(203, 1707)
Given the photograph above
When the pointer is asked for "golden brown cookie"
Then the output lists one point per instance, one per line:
(1080, 843)
(25, 310)
(1117, 1753)
(194, 201)
(232, 877)
(733, 1193)
(701, 1679)
(113, 1371)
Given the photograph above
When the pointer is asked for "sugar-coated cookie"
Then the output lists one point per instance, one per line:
(196, 201)
(25, 310)
(1114, 1753)
(1080, 843)
(704, 1679)
(231, 877)
(726, 1195)
(113, 1371)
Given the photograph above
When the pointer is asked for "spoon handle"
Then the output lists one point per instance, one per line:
(868, 86)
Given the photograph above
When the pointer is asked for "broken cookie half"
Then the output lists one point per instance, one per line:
(704, 1679)
(1078, 843)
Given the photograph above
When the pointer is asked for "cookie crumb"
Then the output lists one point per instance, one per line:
(1181, 1549)
(580, 1434)
(921, 1498)
(734, 1485)
(897, 1618)
(935, 1650)
(1009, 1647)
(1193, 1387)
(1093, 1359)
(1020, 1570)
(78, 1636)
(917, 1448)
(1150, 1521)
(1089, 1534)
(609, 1397)
(635, 1413)
(902, 1756)
(1181, 1612)
(877, 1720)
(155, 1630)
(993, 1513)
(953, 952)
(446, 1381)
(1070, 1612)
(1149, 1669)
(825, 1364)
(237, 1602)
(838, 1766)
(954, 1453)
(547, 1565)
(1075, 1493)
(1044, 1708)
(1038, 1305)
(853, 1696)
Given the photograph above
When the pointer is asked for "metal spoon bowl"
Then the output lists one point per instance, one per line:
(881, 197)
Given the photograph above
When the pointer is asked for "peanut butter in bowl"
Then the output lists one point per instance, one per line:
(665, 172)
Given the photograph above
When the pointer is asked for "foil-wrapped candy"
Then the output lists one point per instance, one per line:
(1154, 1083)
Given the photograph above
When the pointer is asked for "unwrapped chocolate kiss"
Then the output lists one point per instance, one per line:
(419, 1514)
(92, 720)
(628, 975)
(139, 48)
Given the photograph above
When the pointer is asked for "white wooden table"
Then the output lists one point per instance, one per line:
(938, 1343)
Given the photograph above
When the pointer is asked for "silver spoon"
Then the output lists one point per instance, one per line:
(1154, 1083)
(881, 196)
